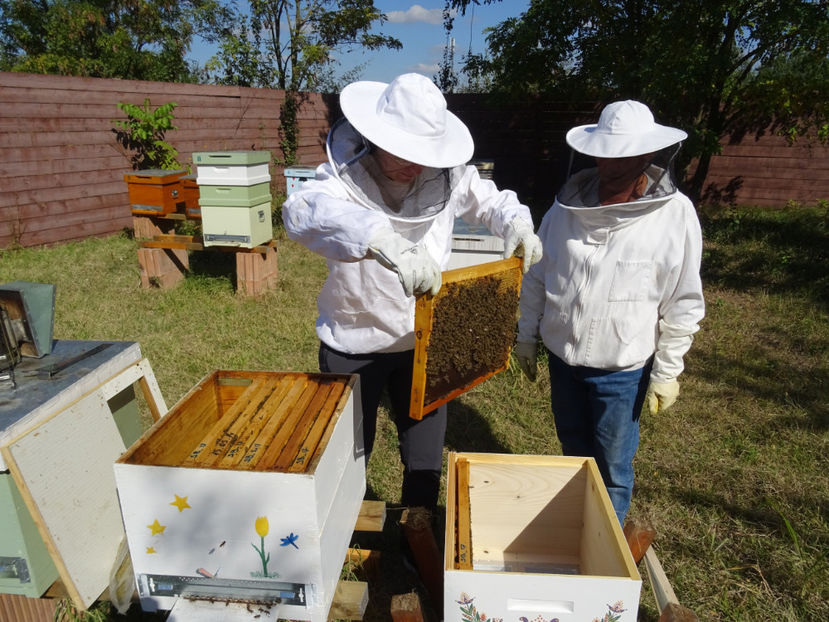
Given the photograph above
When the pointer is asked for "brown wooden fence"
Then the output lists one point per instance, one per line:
(62, 168)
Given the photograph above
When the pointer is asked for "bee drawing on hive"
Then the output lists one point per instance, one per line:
(471, 331)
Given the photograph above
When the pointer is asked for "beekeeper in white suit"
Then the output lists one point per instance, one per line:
(617, 296)
(381, 211)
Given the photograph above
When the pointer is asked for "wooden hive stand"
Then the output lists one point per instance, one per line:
(164, 261)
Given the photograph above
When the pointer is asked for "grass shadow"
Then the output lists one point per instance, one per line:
(783, 251)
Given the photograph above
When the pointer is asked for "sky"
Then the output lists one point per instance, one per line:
(419, 27)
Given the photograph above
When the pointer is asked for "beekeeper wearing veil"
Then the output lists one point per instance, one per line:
(617, 298)
(381, 211)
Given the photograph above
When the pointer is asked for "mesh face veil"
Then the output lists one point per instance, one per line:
(582, 186)
(352, 158)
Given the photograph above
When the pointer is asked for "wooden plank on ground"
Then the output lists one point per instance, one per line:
(372, 516)
(639, 536)
(417, 527)
(350, 601)
(406, 608)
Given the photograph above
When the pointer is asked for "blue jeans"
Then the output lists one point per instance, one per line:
(596, 412)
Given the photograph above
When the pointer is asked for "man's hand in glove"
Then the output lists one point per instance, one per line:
(527, 354)
(417, 271)
(522, 242)
(661, 395)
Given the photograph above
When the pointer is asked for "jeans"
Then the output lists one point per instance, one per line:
(420, 441)
(596, 413)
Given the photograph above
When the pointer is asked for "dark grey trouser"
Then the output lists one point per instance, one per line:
(420, 442)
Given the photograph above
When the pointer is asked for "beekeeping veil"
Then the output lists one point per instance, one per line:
(625, 129)
(408, 119)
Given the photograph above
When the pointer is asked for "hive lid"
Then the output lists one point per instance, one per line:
(465, 333)
(154, 176)
(222, 158)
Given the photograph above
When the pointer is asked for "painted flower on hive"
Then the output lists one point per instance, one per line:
(614, 612)
(470, 613)
(261, 527)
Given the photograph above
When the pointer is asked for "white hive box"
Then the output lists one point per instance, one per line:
(232, 168)
(473, 245)
(249, 489)
(534, 537)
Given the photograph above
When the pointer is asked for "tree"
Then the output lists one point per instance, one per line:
(714, 68)
(129, 39)
(293, 44)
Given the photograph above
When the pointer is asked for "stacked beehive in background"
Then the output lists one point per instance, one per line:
(234, 197)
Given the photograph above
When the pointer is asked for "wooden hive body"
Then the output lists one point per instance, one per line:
(530, 536)
(155, 192)
(248, 489)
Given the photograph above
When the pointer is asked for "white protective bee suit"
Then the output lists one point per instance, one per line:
(617, 284)
(617, 295)
(386, 240)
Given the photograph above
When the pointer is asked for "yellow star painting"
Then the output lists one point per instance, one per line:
(156, 527)
(180, 503)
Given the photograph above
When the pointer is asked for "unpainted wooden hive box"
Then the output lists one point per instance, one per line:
(248, 489)
(535, 538)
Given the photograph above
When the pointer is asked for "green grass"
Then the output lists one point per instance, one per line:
(733, 478)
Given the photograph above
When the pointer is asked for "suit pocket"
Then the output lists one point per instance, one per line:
(631, 281)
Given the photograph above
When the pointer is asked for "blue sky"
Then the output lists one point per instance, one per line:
(419, 27)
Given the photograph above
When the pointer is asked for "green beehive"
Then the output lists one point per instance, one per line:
(26, 568)
(235, 196)
(236, 226)
(235, 158)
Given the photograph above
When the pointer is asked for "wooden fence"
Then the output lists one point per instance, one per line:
(62, 168)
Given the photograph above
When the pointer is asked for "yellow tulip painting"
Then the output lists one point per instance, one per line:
(261, 527)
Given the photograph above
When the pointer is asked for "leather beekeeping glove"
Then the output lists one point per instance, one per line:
(661, 395)
(417, 271)
(527, 354)
(521, 241)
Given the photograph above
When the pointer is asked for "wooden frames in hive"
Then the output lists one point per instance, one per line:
(465, 333)
(254, 421)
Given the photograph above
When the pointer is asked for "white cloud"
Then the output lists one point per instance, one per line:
(427, 69)
(416, 13)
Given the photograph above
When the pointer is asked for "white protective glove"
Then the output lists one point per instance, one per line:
(661, 395)
(527, 354)
(417, 271)
(521, 241)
